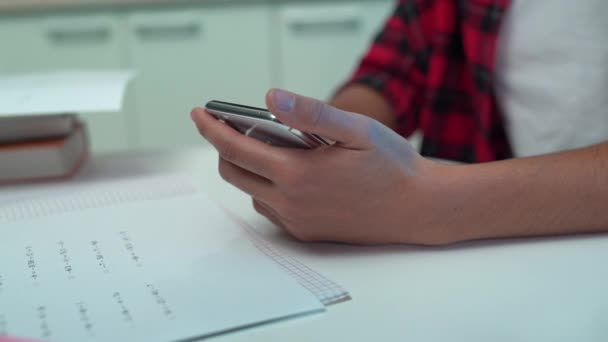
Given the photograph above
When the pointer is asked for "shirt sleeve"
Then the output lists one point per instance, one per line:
(394, 64)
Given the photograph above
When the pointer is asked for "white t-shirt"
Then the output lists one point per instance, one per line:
(552, 74)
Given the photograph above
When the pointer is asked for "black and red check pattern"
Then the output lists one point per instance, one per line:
(434, 61)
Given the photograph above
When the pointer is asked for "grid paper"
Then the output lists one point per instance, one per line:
(114, 193)
(327, 291)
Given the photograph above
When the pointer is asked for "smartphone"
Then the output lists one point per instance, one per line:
(260, 124)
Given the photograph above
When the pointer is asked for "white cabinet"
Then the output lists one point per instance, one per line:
(321, 43)
(81, 41)
(184, 58)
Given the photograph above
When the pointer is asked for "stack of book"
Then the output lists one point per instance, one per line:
(41, 147)
(41, 136)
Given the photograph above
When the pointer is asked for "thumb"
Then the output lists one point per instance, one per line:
(313, 116)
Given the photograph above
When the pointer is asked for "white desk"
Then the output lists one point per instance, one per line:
(518, 290)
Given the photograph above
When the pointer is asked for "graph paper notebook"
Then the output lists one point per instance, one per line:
(76, 267)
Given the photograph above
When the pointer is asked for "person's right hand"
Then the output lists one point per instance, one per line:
(370, 187)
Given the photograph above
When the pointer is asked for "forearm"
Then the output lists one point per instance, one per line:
(563, 193)
(358, 98)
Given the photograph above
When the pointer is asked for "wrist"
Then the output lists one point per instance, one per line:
(436, 200)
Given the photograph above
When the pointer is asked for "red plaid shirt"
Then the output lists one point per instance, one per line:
(434, 62)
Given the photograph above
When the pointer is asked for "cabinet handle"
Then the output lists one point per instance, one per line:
(178, 31)
(323, 19)
(343, 25)
(90, 35)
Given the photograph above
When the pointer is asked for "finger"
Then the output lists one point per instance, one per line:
(246, 181)
(314, 116)
(248, 153)
(265, 211)
(272, 215)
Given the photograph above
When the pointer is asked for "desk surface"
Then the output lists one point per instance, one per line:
(538, 290)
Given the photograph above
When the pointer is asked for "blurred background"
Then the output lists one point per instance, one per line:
(185, 53)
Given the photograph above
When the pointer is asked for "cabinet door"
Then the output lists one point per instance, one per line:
(69, 42)
(184, 58)
(321, 43)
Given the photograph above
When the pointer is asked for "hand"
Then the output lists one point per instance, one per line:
(13, 339)
(370, 187)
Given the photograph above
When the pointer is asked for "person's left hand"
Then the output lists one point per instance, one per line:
(369, 187)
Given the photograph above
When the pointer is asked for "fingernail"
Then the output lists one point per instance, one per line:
(284, 101)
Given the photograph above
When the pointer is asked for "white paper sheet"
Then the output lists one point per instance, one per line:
(54, 198)
(62, 92)
(153, 270)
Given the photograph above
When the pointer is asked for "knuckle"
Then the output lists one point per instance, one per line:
(277, 170)
(225, 170)
(259, 208)
(319, 112)
(371, 129)
(293, 222)
(291, 210)
(227, 151)
(302, 235)
(280, 205)
(292, 177)
(286, 209)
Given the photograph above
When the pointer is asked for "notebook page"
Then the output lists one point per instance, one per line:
(327, 291)
(91, 274)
